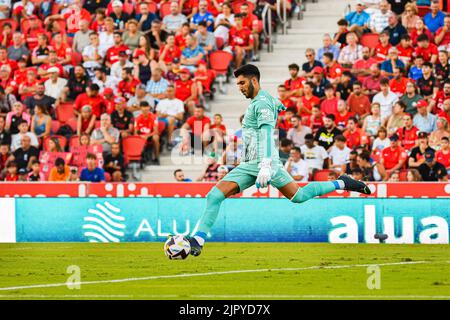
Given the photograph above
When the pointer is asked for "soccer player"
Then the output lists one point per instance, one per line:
(260, 161)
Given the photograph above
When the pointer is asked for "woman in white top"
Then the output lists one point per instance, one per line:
(224, 22)
(373, 121)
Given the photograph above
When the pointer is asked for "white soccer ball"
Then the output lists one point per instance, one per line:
(177, 248)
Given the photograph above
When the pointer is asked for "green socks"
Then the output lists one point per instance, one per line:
(313, 189)
(214, 199)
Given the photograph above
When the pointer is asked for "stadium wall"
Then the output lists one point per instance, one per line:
(352, 220)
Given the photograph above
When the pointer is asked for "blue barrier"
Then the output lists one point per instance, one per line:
(240, 220)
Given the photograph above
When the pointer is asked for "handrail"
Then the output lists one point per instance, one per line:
(267, 26)
(282, 15)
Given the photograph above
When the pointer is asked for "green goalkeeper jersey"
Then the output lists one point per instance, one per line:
(263, 109)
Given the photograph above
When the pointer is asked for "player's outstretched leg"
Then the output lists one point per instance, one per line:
(314, 189)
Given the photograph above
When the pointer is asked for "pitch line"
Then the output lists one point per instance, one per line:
(187, 275)
(314, 296)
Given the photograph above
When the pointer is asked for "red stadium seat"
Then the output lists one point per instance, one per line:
(108, 177)
(55, 126)
(321, 175)
(97, 124)
(164, 9)
(77, 58)
(152, 7)
(403, 175)
(423, 10)
(13, 23)
(72, 123)
(369, 40)
(128, 8)
(74, 142)
(64, 112)
(62, 141)
(132, 147)
(219, 61)
(219, 43)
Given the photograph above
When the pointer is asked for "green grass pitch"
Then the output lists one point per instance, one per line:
(226, 271)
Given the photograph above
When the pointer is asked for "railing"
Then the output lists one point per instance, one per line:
(267, 26)
(282, 15)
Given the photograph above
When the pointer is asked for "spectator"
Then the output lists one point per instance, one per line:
(81, 38)
(296, 166)
(329, 104)
(411, 98)
(380, 19)
(283, 96)
(443, 155)
(11, 172)
(55, 84)
(60, 172)
(419, 29)
(308, 100)
(111, 41)
(408, 133)
(157, 86)
(367, 168)
(443, 33)
(203, 15)
(352, 162)
(241, 41)
(395, 120)
(386, 98)
(310, 63)
(146, 126)
(381, 141)
(434, 19)
(121, 64)
(358, 20)
(157, 36)
(416, 157)
(373, 121)
(358, 102)
(222, 172)
(286, 146)
(339, 154)
(53, 145)
(77, 83)
(394, 176)
(398, 82)
(442, 68)
(372, 84)
(86, 120)
(18, 49)
(170, 50)
(350, 53)
(355, 136)
(179, 176)
(25, 155)
(106, 135)
(133, 104)
(380, 52)
(392, 158)
(442, 130)
(344, 87)
(13, 118)
(7, 100)
(392, 62)
(224, 22)
(396, 29)
(332, 69)
(398, 6)
(5, 137)
(205, 38)
(122, 119)
(427, 50)
(413, 175)
(40, 98)
(173, 21)
(114, 164)
(405, 50)
(325, 135)
(294, 84)
(218, 131)
(427, 83)
(297, 133)
(106, 83)
(415, 72)
(357, 174)
(93, 55)
(423, 120)
(410, 17)
(92, 173)
(362, 67)
(329, 47)
(145, 17)
(199, 125)
(342, 115)
(340, 37)
(36, 174)
(186, 91)
(315, 155)
(319, 81)
(431, 170)
(16, 139)
(92, 98)
(41, 123)
(332, 176)
(132, 34)
(127, 86)
(210, 172)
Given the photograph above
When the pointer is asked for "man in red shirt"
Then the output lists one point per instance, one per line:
(358, 103)
(405, 49)
(251, 22)
(342, 115)
(333, 70)
(127, 86)
(241, 40)
(186, 91)
(63, 50)
(92, 98)
(443, 155)
(361, 67)
(112, 54)
(398, 82)
(445, 113)
(196, 129)
(146, 125)
(329, 104)
(427, 50)
(354, 135)
(306, 102)
(284, 99)
(5, 61)
(408, 134)
(31, 37)
(436, 105)
(443, 33)
(392, 158)
(28, 87)
(294, 85)
(380, 52)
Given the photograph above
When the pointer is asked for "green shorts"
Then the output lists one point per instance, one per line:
(245, 176)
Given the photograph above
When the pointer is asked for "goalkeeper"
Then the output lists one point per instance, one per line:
(260, 163)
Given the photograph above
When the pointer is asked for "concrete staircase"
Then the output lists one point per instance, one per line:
(319, 18)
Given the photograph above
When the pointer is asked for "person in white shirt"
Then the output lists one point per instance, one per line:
(55, 84)
(117, 67)
(386, 98)
(104, 81)
(5, 8)
(315, 156)
(296, 166)
(380, 18)
(106, 38)
(92, 54)
(298, 132)
(173, 21)
(170, 111)
(16, 139)
(339, 154)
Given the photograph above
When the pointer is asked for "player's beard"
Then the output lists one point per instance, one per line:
(251, 91)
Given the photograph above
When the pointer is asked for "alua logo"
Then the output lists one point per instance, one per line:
(104, 223)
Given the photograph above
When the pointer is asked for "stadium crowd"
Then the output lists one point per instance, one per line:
(80, 78)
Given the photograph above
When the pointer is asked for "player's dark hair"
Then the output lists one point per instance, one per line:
(176, 171)
(248, 71)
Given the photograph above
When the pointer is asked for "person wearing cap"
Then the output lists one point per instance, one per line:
(170, 111)
(173, 21)
(122, 63)
(416, 157)
(351, 52)
(133, 104)
(392, 158)
(22, 175)
(320, 81)
(186, 90)
(93, 98)
(121, 118)
(54, 85)
(119, 16)
(431, 170)
(127, 86)
(424, 120)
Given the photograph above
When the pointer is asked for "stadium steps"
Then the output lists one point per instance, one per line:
(319, 18)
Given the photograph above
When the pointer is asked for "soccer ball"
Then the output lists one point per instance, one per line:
(177, 248)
